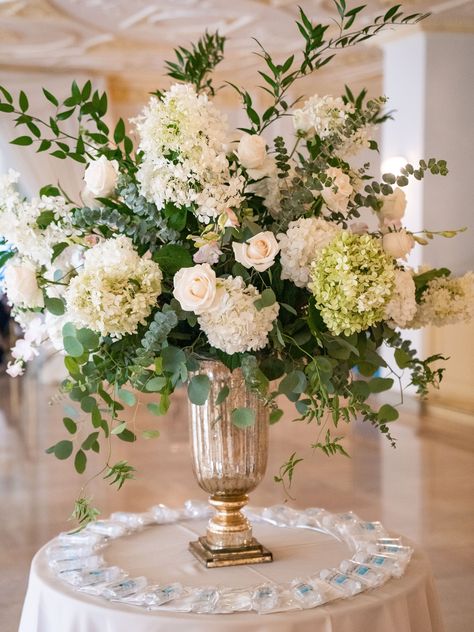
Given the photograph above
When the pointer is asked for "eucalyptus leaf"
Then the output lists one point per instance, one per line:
(243, 417)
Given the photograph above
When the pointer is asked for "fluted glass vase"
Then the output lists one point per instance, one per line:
(229, 462)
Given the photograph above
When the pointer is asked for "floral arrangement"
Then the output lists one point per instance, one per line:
(204, 242)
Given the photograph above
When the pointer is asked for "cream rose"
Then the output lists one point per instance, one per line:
(393, 208)
(101, 177)
(337, 195)
(21, 285)
(196, 289)
(258, 252)
(252, 151)
(398, 244)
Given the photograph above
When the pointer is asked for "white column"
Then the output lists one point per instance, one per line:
(429, 80)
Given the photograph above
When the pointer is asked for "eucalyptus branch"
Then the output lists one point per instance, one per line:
(196, 64)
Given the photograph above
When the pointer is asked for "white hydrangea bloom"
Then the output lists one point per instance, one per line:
(358, 141)
(322, 116)
(115, 291)
(237, 326)
(18, 219)
(402, 306)
(300, 245)
(446, 301)
(183, 137)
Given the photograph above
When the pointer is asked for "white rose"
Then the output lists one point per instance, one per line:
(258, 252)
(398, 244)
(252, 151)
(101, 177)
(337, 195)
(393, 208)
(21, 285)
(196, 289)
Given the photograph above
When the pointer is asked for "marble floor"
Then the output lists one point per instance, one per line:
(423, 489)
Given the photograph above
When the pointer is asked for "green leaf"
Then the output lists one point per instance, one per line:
(70, 425)
(80, 461)
(88, 404)
(379, 384)
(88, 338)
(198, 389)
(173, 358)
(127, 397)
(172, 258)
(222, 395)
(72, 366)
(276, 415)
(22, 140)
(360, 389)
(243, 417)
(73, 347)
(58, 249)
(120, 428)
(119, 132)
(23, 101)
(294, 382)
(44, 219)
(63, 449)
(156, 384)
(150, 434)
(55, 306)
(402, 358)
(51, 98)
(6, 107)
(89, 441)
(266, 299)
(387, 413)
(69, 330)
(96, 418)
(127, 435)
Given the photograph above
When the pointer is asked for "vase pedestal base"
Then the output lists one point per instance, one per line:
(252, 553)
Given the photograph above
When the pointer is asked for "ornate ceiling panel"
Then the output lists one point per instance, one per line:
(129, 39)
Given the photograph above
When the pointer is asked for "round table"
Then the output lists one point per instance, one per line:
(408, 604)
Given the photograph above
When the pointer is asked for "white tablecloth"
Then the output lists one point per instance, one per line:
(160, 553)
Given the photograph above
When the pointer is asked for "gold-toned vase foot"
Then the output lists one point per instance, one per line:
(252, 553)
(229, 540)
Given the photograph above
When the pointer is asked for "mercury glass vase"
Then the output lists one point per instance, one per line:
(228, 462)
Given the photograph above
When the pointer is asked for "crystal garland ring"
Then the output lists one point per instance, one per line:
(228, 462)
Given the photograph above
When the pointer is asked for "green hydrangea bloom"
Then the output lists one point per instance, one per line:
(352, 280)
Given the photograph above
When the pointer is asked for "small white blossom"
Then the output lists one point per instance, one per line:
(115, 291)
(402, 306)
(446, 301)
(21, 285)
(18, 221)
(14, 369)
(301, 244)
(237, 326)
(322, 116)
(183, 138)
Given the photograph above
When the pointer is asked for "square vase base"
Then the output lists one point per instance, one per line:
(253, 553)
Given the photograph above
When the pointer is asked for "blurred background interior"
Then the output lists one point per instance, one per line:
(424, 488)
